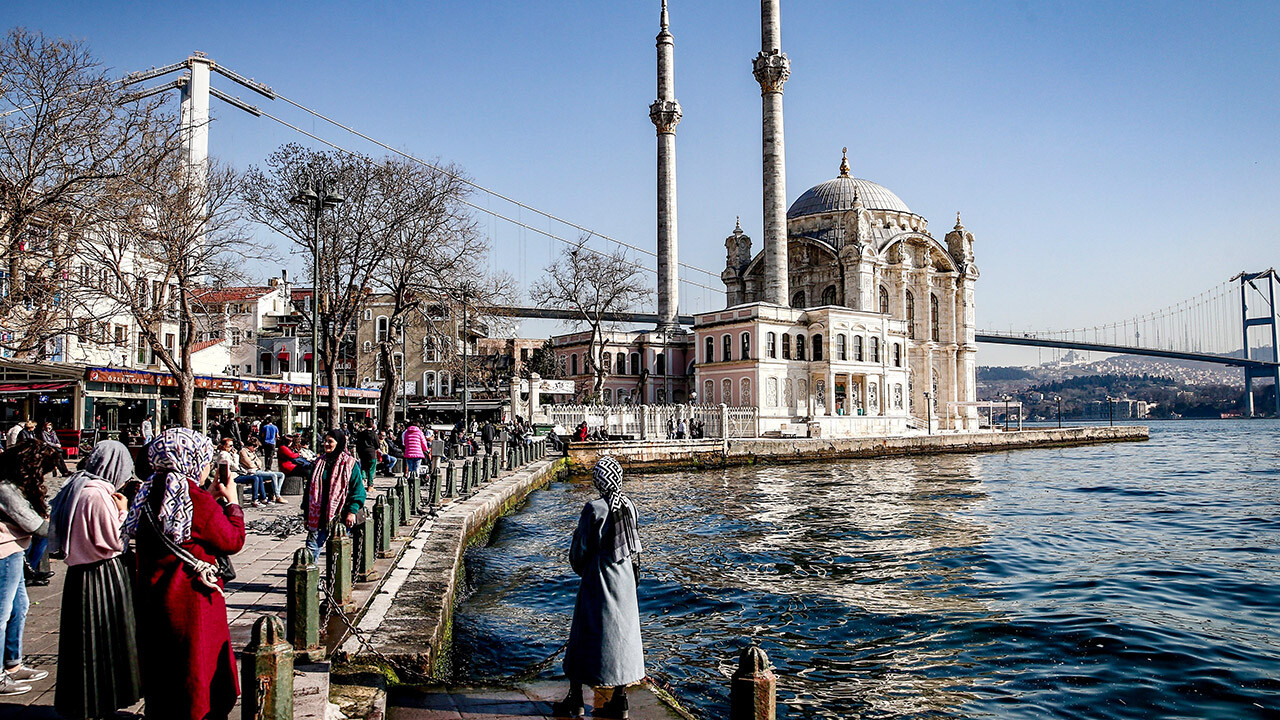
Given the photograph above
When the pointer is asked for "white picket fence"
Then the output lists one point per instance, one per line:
(650, 422)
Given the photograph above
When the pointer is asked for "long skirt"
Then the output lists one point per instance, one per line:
(97, 644)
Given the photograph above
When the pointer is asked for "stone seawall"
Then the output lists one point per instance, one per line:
(667, 454)
(408, 628)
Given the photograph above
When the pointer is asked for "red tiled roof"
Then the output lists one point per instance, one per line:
(204, 345)
(232, 294)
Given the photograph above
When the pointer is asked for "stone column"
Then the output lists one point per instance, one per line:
(535, 389)
(831, 392)
(665, 113)
(771, 69)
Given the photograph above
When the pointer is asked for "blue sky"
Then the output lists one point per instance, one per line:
(1111, 158)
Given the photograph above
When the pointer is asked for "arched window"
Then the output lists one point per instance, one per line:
(786, 346)
(660, 364)
(621, 368)
(429, 384)
(897, 354)
(884, 300)
(573, 364)
(383, 329)
(744, 392)
(800, 353)
(857, 348)
(771, 343)
(367, 346)
(726, 391)
(746, 346)
(727, 342)
(842, 348)
(709, 392)
(933, 318)
(817, 347)
(397, 361)
(446, 384)
(911, 315)
(797, 300)
(635, 363)
(607, 394)
(829, 295)
(875, 349)
(710, 355)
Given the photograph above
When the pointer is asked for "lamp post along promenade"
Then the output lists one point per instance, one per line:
(316, 198)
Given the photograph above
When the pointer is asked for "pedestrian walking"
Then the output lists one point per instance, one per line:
(23, 514)
(270, 435)
(415, 448)
(367, 453)
(148, 428)
(335, 494)
(604, 647)
(488, 433)
(97, 647)
(180, 529)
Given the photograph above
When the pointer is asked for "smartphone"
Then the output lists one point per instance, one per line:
(224, 473)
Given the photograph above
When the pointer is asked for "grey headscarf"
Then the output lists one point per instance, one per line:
(607, 477)
(109, 462)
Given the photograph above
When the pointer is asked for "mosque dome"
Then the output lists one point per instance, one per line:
(837, 196)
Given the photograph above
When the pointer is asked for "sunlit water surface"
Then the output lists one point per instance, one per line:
(1136, 580)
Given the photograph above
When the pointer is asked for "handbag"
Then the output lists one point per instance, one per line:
(207, 573)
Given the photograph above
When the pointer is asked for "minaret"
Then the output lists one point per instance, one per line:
(772, 69)
(665, 114)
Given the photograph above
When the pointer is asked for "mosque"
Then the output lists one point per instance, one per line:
(851, 320)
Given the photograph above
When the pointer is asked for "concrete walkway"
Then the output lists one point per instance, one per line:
(525, 701)
(259, 588)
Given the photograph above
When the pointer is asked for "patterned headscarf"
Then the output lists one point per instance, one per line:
(177, 455)
(607, 477)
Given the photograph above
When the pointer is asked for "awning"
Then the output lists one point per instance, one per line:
(24, 388)
(282, 355)
(306, 356)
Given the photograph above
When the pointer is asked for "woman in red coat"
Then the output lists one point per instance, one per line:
(184, 645)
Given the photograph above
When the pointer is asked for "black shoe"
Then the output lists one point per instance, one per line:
(617, 707)
(37, 582)
(570, 707)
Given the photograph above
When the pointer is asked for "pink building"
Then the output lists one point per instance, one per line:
(642, 368)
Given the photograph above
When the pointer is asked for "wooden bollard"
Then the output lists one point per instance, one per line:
(302, 604)
(754, 693)
(266, 673)
(366, 535)
(338, 566)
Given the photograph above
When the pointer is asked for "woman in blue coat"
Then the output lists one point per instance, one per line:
(604, 642)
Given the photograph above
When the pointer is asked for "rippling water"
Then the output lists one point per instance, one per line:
(1137, 580)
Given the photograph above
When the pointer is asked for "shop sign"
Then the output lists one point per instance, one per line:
(220, 403)
(550, 387)
(225, 384)
(130, 377)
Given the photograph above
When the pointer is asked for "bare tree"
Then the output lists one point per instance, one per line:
(172, 236)
(356, 240)
(71, 142)
(593, 284)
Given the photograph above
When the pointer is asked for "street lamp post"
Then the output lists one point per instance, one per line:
(1006, 399)
(316, 199)
(928, 411)
(1111, 411)
(1058, 399)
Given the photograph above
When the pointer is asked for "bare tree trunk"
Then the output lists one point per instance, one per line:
(186, 379)
(335, 398)
(387, 400)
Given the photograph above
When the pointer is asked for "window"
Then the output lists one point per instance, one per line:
(429, 352)
(711, 350)
(367, 346)
(829, 295)
(265, 361)
(709, 392)
(608, 396)
(383, 329)
(744, 392)
(911, 315)
(817, 347)
(800, 347)
(429, 383)
(727, 342)
(573, 364)
(121, 335)
(524, 355)
(635, 363)
(771, 343)
(771, 392)
(897, 354)
(446, 384)
(933, 318)
(797, 300)
(726, 391)
(368, 314)
(842, 349)
(786, 346)
(884, 300)
(857, 348)
(235, 337)
(660, 364)
(875, 349)
(746, 346)
(397, 361)
(621, 364)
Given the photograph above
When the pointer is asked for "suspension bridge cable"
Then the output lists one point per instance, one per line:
(474, 206)
(477, 186)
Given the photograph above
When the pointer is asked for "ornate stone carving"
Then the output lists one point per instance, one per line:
(665, 115)
(771, 70)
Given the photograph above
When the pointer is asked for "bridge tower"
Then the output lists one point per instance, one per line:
(1249, 280)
